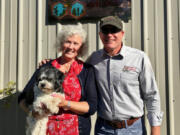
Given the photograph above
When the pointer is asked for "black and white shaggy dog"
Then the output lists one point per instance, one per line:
(48, 81)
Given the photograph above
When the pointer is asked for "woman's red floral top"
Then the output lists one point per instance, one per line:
(66, 122)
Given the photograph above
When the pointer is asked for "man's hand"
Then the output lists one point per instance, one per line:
(43, 62)
(155, 130)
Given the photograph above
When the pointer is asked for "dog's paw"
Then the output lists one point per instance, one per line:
(40, 106)
(53, 105)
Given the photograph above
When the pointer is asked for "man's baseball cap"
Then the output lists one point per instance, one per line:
(111, 20)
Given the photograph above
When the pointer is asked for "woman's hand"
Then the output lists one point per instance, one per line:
(43, 62)
(80, 107)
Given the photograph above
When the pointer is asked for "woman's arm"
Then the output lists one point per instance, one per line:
(23, 106)
(90, 89)
(74, 106)
(77, 107)
(30, 112)
(88, 104)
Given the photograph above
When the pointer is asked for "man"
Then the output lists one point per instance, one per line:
(125, 81)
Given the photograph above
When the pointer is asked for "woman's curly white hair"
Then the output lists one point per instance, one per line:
(68, 31)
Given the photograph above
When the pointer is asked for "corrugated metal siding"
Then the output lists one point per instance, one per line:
(173, 61)
(153, 45)
(26, 38)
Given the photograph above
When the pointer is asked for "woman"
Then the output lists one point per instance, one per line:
(79, 86)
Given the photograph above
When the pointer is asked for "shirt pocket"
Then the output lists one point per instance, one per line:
(129, 75)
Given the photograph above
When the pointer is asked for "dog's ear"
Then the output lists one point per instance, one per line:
(60, 76)
(58, 86)
(40, 70)
(37, 78)
(59, 81)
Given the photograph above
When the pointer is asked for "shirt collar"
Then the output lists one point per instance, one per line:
(123, 50)
(121, 53)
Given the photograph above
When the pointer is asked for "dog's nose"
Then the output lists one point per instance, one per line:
(42, 85)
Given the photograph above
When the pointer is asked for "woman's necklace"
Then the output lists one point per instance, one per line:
(65, 66)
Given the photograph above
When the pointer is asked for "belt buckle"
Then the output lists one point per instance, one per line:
(123, 124)
(118, 124)
(115, 125)
(131, 121)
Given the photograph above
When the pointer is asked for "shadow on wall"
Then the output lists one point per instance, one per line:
(12, 118)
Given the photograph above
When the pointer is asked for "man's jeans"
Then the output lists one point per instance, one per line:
(137, 128)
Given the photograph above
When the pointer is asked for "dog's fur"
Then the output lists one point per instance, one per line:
(48, 81)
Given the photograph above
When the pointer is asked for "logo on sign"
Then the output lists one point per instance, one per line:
(76, 9)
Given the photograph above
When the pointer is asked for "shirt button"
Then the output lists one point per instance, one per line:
(111, 84)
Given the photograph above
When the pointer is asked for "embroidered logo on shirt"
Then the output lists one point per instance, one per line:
(128, 68)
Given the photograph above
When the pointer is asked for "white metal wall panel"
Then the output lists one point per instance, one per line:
(43, 29)
(91, 37)
(8, 47)
(2, 39)
(159, 68)
(127, 27)
(136, 24)
(51, 41)
(173, 64)
(26, 38)
(8, 60)
(149, 29)
(148, 33)
(26, 41)
(153, 37)
(32, 35)
(46, 34)
(7, 43)
(13, 40)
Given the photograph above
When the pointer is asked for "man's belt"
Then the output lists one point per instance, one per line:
(120, 124)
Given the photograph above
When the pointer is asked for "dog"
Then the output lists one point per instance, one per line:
(48, 81)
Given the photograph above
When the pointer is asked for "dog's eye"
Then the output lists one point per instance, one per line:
(44, 78)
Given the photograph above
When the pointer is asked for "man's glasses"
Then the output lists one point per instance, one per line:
(109, 30)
